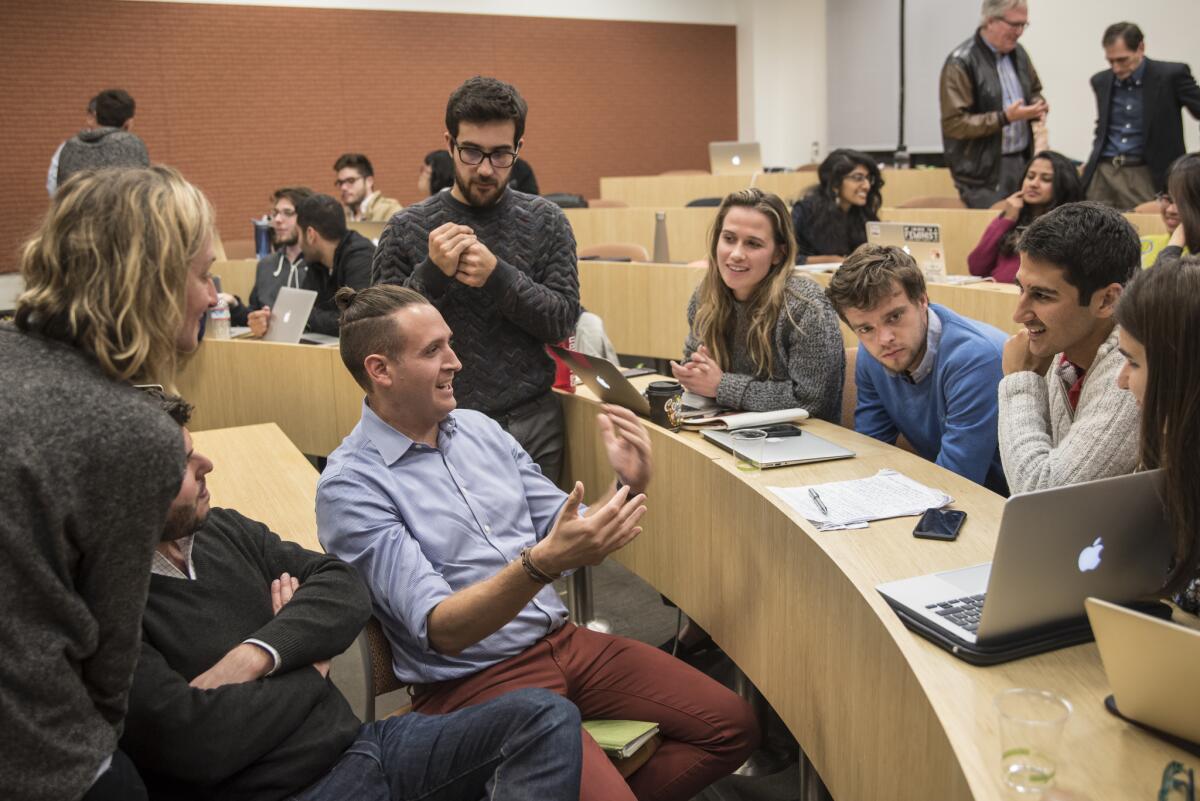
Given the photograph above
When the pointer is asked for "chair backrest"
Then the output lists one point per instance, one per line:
(606, 203)
(1149, 207)
(932, 202)
(849, 389)
(685, 172)
(378, 675)
(615, 250)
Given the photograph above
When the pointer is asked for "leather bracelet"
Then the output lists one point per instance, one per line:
(531, 569)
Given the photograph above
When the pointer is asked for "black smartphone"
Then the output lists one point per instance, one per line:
(940, 524)
(782, 430)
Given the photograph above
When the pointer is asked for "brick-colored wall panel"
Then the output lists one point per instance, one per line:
(243, 99)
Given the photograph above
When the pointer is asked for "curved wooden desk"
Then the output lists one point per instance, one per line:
(881, 713)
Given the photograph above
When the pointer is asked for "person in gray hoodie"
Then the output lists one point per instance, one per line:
(112, 144)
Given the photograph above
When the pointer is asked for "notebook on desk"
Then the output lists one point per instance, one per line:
(1107, 538)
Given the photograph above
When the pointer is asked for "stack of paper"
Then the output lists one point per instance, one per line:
(730, 420)
(620, 738)
(852, 504)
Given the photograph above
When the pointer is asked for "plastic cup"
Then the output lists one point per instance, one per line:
(749, 443)
(1031, 727)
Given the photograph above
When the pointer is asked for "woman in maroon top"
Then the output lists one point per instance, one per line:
(1050, 181)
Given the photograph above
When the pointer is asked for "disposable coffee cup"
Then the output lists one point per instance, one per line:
(664, 398)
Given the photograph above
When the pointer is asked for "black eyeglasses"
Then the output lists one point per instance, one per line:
(1164, 198)
(1177, 778)
(473, 156)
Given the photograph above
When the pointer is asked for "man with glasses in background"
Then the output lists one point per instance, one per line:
(1138, 127)
(499, 265)
(356, 183)
(990, 95)
(284, 267)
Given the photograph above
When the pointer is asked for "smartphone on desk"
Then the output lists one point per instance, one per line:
(940, 524)
(782, 430)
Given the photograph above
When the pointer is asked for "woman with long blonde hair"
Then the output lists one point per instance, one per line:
(116, 283)
(762, 338)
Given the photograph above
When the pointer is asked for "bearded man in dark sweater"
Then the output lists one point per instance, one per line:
(499, 265)
(231, 698)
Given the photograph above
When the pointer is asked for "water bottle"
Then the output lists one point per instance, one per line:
(218, 321)
(262, 237)
(902, 159)
(661, 250)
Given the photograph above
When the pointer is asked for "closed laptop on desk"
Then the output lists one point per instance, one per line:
(1106, 538)
(779, 451)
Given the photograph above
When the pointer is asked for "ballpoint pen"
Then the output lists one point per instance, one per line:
(812, 493)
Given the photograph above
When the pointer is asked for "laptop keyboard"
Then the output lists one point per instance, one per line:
(964, 612)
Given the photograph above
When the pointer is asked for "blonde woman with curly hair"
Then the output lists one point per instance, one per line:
(762, 338)
(117, 281)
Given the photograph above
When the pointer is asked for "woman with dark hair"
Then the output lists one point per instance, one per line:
(1158, 315)
(437, 173)
(1050, 181)
(831, 219)
(1183, 192)
(761, 338)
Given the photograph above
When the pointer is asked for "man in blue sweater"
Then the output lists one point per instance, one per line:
(922, 370)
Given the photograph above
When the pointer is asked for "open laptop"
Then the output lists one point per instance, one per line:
(603, 378)
(734, 158)
(783, 446)
(289, 315)
(922, 241)
(1107, 538)
(1151, 668)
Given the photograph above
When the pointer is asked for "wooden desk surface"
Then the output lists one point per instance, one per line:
(665, 191)
(687, 229)
(260, 473)
(881, 712)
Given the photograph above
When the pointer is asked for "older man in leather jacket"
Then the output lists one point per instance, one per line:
(991, 99)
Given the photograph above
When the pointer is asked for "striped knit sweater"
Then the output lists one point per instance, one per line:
(1043, 443)
(531, 298)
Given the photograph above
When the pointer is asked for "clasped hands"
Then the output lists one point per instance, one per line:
(459, 254)
(700, 374)
(612, 522)
(247, 661)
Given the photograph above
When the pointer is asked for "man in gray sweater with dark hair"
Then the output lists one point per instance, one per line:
(498, 264)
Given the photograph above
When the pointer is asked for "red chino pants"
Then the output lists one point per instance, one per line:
(707, 730)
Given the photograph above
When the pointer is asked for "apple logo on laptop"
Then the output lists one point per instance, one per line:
(1089, 557)
(287, 316)
(602, 382)
(737, 160)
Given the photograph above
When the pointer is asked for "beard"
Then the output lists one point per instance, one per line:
(182, 521)
(478, 192)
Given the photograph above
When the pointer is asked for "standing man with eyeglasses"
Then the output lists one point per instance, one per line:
(499, 265)
(1138, 127)
(990, 97)
(356, 183)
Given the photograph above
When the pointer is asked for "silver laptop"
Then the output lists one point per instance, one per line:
(1107, 538)
(922, 241)
(734, 158)
(783, 446)
(604, 378)
(289, 315)
(1151, 667)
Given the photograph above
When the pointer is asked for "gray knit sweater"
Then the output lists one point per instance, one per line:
(88, 468)
(531, 298)
(1044, 443)
(101, 147)
(809, 357)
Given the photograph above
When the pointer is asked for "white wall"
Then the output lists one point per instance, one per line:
(1064, 43)
(781, 79)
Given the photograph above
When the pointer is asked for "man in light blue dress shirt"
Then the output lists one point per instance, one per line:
(458, 536)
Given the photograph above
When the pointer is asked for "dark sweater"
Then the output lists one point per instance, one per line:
(823, 229)
(351, 267)
(263, 739)
(101, 147)
(531, 298)
(88, 467)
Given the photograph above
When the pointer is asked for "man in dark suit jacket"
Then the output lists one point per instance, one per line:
(1138, 128)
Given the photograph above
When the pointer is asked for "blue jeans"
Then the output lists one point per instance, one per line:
(523, 745)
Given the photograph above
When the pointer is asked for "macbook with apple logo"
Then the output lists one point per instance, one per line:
(1106, 539)
(603, 378)
(289, 316)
